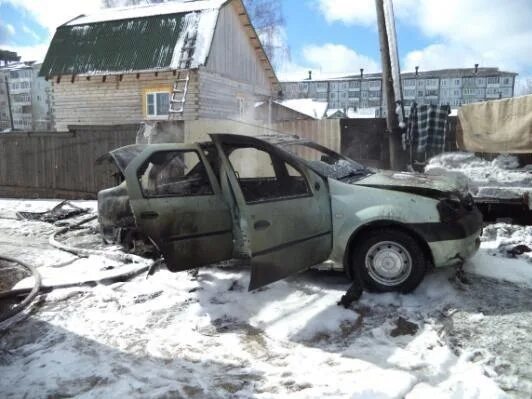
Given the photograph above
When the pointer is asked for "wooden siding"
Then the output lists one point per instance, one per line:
(60, 165)
(218, 96)
(233, 54)
(96, 102)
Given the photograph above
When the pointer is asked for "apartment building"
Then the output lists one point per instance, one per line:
(30, 98)
(454, 87)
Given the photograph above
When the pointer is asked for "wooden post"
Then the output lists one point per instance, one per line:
(392, 124)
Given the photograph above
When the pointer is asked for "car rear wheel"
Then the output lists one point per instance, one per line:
(389, 260)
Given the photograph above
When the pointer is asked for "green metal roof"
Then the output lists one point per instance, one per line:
(114, 46)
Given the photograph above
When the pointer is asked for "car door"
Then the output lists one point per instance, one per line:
(284, 206)
(177, 203)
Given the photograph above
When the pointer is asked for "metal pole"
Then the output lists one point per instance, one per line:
(9, 104)
(392, 124)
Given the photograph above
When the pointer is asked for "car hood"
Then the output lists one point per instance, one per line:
(414, 183)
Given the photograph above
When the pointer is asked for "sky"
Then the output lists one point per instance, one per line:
(335, 37)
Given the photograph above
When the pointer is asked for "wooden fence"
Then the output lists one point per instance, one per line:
(59, 165)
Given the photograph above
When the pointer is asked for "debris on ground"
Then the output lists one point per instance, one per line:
(404, 327)
(63, 210)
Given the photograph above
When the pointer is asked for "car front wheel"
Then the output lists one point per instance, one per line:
(389, 260)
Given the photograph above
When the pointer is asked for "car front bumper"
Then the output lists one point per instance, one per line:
(452, 243)
(452, 252)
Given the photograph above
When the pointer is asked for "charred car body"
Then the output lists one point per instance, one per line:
(288, 204)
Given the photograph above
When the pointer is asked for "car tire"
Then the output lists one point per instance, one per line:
(387, 260)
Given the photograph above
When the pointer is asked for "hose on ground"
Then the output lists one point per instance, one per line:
(128, 258)
(32, 293)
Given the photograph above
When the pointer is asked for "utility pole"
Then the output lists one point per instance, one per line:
(392, 123)
(9, 104)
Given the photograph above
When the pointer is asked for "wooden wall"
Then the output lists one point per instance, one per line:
(114, 101)
(59, 165)
(233, 54)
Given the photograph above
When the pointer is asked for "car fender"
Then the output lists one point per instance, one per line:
(356, 207)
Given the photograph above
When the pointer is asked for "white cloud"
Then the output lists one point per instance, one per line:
(6, 31)
(49, 14)
(29, 53)
(360, 12)
(10, 29)
(337, 58)
(31, 32)
(326, 61)
(488, 32)
(52, 13)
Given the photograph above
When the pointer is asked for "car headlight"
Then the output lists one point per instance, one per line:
(449, 209)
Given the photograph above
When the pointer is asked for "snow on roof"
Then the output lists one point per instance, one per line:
(361, 113)
(306, 106)
(147, 10)
(154, 37)
(333, 111)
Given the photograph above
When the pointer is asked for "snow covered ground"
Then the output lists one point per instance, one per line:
(500, 178)
(180, 335)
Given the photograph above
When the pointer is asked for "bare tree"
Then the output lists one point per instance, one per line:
(525, 87)
(268, 19)
(266, 16)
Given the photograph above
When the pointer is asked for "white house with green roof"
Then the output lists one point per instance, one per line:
(182, 60)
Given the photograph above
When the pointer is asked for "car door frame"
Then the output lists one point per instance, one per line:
(271, 256)
(141, 203)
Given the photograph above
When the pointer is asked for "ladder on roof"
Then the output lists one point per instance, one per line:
(187, 51)
(180, 89)
(179, 94)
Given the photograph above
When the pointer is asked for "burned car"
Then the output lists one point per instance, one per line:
(287, 204)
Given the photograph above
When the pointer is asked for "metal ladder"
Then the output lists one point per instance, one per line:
(179, 94)
(180, 89)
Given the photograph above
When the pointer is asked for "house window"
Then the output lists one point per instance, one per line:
(157, 104)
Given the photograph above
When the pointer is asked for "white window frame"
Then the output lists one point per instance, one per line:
(156, 115)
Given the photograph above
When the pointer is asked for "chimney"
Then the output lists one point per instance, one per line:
(417, 70)
(361, 73)
(476, 68)
(309, 75)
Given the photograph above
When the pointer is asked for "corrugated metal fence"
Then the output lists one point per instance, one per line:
(62, 165)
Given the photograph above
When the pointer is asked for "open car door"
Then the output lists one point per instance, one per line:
(177, 203)
(284, 206)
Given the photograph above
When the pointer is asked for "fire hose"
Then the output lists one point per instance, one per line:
(31, 293)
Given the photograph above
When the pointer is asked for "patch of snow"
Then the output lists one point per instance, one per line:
(147, 10)
(201, 24)
(179, 335)
(497, 257)
(362, 113)
(306, 106)
(482, 175)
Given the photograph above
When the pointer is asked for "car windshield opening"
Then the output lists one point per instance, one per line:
(327, 162)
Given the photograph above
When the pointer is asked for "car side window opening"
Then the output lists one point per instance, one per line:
(174, 174)
(264, 176)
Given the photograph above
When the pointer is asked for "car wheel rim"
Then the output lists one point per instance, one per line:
(388, 263)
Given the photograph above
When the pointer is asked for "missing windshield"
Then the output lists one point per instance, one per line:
(327, 162)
